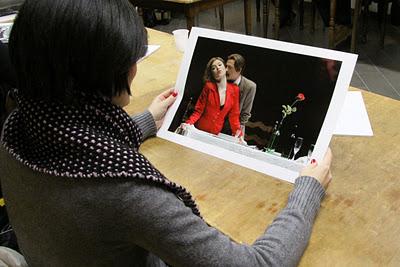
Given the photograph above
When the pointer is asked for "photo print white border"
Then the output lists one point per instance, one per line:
(272, 168)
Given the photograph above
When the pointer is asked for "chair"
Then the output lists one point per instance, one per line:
(266, 5)
(384, 10)
(192, 8)
(332, 33)
(332, 25)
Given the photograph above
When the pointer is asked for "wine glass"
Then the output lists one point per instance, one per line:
(297, 146)
(310, 151)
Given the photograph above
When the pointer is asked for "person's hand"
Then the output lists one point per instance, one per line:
(242, 141)
(320, 170)
(160, 105)
(238, 133)
(187, 126)
(240, 138)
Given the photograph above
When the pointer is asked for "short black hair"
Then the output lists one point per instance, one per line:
(240, 63)
(61, 47)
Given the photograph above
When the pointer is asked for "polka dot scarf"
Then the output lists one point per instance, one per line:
(94, 139)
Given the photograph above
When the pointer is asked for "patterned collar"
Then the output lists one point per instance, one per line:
(93, 139)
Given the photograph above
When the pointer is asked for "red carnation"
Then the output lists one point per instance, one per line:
(300, 97)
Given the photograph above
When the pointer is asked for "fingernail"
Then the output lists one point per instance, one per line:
(174, 94)
(313, 161)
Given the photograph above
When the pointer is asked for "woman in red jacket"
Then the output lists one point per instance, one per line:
(217, 100)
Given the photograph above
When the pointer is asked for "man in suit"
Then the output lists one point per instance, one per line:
(235, 65)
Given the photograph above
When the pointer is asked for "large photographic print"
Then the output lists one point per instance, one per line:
(264, 104)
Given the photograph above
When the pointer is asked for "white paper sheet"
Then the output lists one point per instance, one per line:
(150, 50)
(353, 119)
(8, 18)
(189, 85)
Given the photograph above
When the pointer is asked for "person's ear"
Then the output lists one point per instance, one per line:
(132, 73)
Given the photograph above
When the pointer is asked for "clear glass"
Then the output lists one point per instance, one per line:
(297, 146)
(5, 30)
(310, 151)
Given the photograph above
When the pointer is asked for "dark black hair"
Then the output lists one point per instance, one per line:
(60, 47)
(239, 62)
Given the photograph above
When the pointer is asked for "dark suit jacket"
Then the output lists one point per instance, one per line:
(208, 116)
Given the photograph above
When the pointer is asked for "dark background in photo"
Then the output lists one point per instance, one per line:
(280, 76)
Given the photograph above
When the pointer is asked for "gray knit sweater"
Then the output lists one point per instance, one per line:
(120, 222)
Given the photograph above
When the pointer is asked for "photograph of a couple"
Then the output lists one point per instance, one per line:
(262, 103)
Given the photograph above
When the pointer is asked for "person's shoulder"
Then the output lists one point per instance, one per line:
(248, 83)
(210, 85)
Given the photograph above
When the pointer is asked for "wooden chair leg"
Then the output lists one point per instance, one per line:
(221, 18)
(277, 19)
(301, 11)
(364, 20)
(313, 13)
(354, 33)
(258, 10)
(247, 16)
(266, 5)
(190, 17)
(331, 34)
(384, 21)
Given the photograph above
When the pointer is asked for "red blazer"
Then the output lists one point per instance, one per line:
(208, 116)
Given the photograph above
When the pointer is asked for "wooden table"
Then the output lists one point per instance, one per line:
(358, 224)
(191, 8)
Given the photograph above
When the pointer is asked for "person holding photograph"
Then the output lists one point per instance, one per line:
(218, 100)
(78, 191)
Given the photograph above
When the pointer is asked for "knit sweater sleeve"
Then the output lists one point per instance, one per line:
(161, 224)
(146, 123)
